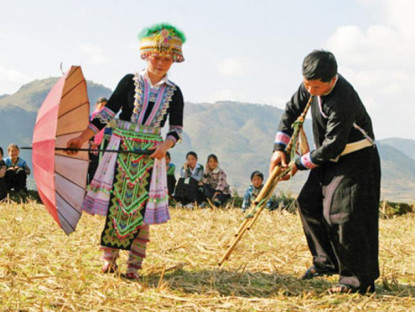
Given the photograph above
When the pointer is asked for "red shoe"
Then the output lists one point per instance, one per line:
(109, 268)
(131, 276)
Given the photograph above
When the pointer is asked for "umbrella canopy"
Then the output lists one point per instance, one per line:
(61, 178)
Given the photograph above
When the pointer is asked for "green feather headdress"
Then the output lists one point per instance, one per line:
(162, 39)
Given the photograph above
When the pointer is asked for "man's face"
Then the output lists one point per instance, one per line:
(318, 87)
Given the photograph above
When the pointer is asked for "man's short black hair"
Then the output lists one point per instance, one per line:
(320, 65)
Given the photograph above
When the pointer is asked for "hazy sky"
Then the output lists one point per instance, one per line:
(248, 51)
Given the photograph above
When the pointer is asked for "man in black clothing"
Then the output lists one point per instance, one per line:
(339, 202)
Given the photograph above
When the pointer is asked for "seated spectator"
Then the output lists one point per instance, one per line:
(257, 180)
(171, 178)
(95, 142)
(17, 170)
(215, 187)
(3, 185)
(187, 189)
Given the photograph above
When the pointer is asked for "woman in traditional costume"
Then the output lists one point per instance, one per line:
(131, 189)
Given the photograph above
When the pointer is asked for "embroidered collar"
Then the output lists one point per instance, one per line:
(163, 80)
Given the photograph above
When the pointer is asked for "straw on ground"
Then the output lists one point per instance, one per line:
(41, 269)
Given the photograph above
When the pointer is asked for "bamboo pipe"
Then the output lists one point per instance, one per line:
(247, 224)
(268, 188)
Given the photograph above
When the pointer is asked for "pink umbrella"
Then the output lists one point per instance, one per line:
(61, 178)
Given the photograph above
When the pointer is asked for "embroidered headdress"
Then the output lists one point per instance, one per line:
(162, 39)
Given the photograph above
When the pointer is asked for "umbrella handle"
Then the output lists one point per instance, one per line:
(138, 151)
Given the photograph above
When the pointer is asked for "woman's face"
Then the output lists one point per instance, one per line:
(212, 163)
(191, 161)
(159, 65)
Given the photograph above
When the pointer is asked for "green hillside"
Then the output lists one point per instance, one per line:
(30, 96)
(240, 134)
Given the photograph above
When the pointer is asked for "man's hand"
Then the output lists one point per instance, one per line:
(291, 173)
(277, 159)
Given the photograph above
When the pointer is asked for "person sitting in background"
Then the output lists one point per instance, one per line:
(257, 180)
(3, 185)
(215, 187)
(187, 189)
(96, 141)
(17, 170)
(171, 178)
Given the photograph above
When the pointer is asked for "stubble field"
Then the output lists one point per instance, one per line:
(42, 269)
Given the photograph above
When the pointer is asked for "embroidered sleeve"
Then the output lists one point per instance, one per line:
(293, 109)
(176, 117)
(118, 99)
(175, 133)
(281, 141)
(305, 162)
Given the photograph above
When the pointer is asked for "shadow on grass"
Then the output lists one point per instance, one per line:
(257, 284)
(227, 283)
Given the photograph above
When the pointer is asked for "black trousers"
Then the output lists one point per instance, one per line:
(209, 191)
(3, 188)
(16, 179)
(339, 209)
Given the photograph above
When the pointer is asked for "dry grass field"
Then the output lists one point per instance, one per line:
(42, 269)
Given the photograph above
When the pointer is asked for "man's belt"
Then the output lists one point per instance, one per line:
(353, 147)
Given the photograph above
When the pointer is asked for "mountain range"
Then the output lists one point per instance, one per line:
(240, 134)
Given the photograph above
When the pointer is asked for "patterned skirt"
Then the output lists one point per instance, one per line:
(129, 188)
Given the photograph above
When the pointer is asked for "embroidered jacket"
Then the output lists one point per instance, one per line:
(216, 179)
(334, 118)
(140, 102)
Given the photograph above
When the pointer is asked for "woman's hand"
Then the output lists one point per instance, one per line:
(94, 147)
(76, 143)
(161, 149)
